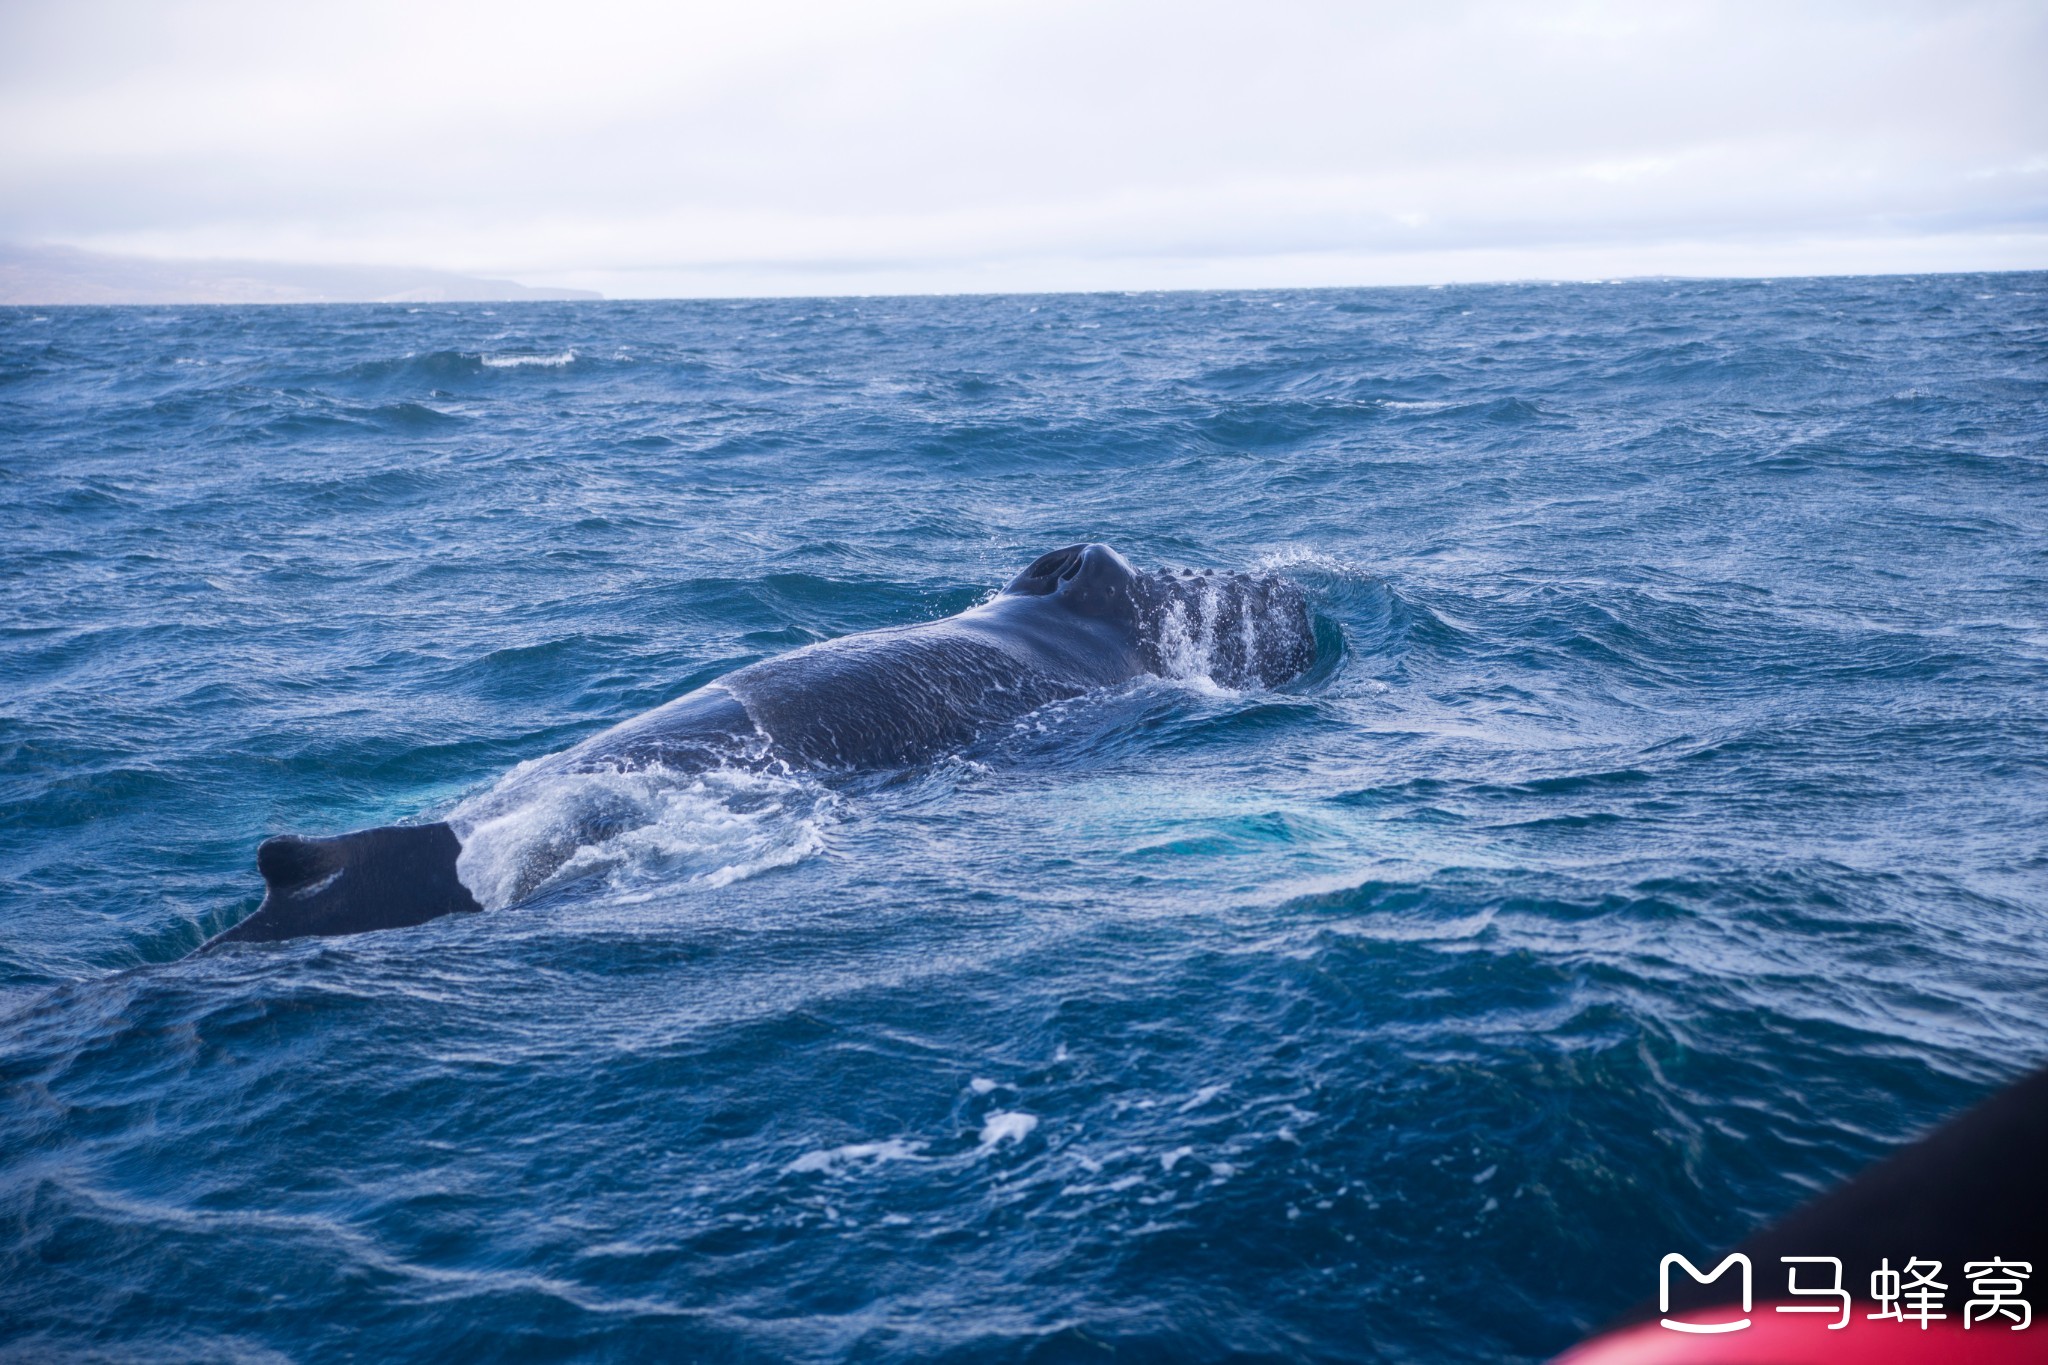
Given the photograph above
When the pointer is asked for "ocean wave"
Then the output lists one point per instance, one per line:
(516, 361)
(438, 369)
(1656, 839)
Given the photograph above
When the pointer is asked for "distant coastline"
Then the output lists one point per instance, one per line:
(45, 276)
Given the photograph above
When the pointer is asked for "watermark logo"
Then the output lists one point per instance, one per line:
(2000, 1282)
(1664, 1292)
(1832, 1290)
(1908, 1296)
(1914, 1293)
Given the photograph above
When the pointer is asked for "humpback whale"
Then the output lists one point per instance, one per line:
(1075, 620)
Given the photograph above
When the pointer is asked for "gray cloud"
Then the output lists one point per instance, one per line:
(797, 146)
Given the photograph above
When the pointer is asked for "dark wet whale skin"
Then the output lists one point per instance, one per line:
(1077, 619)
(1069, 623)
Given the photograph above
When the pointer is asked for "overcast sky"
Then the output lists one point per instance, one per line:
(786, 146)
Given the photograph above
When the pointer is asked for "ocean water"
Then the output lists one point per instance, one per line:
(1662, 835)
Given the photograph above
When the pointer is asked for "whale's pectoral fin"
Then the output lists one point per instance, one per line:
(383, 878)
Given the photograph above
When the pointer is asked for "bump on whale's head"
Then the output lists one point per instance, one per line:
(1092, 580)
(1235, 629)
(1238, 630)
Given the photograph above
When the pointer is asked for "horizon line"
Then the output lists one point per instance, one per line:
(1660, 277)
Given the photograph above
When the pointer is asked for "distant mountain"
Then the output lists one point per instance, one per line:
(59, 275)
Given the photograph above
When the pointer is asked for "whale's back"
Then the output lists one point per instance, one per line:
(892, 697)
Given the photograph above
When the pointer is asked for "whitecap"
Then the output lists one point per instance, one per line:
(1002, 1127)
(833, 1158)
(511, 362)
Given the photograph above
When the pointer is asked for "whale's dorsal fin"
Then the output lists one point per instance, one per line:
(288, 861)
(382, 878)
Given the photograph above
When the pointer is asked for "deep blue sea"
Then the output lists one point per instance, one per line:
(1665, 836)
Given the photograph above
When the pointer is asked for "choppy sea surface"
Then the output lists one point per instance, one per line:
(1665, 835)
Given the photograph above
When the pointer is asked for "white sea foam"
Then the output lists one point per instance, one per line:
(1002, 1126)
(831, 1159)
(642, 827)
(511, 362)
(1302, 559)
